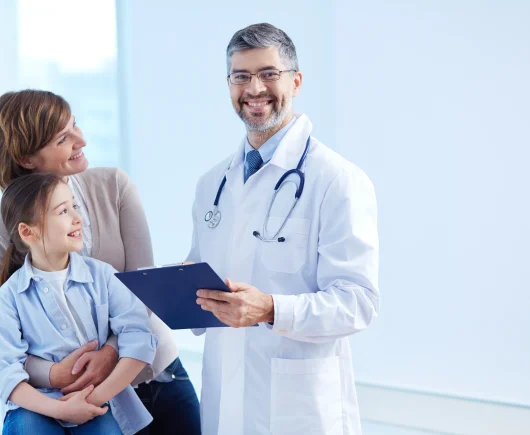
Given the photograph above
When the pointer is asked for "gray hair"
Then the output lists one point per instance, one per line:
(263, 35)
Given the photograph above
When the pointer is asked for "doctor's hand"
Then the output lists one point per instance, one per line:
(244, 306)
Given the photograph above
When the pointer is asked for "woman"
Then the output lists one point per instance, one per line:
(38, 134)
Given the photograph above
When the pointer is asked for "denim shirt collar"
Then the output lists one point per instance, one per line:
(79, 272)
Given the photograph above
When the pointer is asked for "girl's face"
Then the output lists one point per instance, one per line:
(62, 231)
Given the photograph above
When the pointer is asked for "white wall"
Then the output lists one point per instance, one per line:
(433, 101)
(8, 45)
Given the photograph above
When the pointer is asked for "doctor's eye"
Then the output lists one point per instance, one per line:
(269, 75)
(239, 78)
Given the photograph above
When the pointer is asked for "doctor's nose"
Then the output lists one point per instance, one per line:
(255, 86)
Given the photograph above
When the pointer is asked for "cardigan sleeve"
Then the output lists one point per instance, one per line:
(133, 225)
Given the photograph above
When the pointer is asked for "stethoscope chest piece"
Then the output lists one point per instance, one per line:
(213, 218)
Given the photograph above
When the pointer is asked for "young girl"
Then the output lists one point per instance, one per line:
(53, 300)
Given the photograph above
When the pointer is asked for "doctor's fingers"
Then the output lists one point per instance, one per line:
(214, 306)
(215, 295)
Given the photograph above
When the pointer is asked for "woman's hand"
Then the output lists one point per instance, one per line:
(61, 373)
(94, 366)
(75, 409)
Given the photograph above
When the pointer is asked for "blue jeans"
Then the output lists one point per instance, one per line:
(172, 402)
(20, 421)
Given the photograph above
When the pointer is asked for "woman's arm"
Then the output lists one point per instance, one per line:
(133, 226)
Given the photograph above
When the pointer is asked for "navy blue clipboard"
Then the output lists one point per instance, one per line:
(171, 293)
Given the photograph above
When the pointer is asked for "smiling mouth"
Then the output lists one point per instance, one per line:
(75, 233)
(77, 156)
(260, 104)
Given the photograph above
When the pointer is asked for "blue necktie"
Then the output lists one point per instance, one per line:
(253, 162)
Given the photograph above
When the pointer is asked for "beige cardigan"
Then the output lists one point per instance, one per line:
(120, 237)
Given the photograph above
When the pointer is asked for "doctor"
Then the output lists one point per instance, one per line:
(302, 266)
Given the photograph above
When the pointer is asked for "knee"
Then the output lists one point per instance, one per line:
(21, 421)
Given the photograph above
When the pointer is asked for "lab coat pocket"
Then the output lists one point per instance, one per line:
(306, 396)
(288, 256)
(102, 311)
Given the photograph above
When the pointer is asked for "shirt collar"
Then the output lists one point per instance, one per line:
(266, 151)
(289, 149)
(79, 272)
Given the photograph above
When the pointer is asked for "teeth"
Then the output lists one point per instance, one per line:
(75, 233)
(76, 156)
(258, 104)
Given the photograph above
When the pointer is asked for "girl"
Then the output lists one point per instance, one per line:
(53, 300)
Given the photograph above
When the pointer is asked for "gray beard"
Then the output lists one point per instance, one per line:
(275, 120)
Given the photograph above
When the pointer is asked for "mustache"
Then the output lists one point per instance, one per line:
(248, 97)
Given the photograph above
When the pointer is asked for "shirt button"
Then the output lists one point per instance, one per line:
(150, 371)
(46, 290)
(63, 326)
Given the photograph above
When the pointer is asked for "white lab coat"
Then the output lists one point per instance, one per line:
(295, 377)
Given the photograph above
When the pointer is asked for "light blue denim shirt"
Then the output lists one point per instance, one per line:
(31, 322)
(266, 151)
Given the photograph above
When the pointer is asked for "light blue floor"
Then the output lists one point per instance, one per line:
(370, 428)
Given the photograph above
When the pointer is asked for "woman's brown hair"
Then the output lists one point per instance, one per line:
(25, 200)
(29, 120)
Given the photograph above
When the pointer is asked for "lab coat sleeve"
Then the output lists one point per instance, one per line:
(347, 268)
(13, 348)
(195, 254)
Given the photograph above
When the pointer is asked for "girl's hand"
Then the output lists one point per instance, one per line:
(77, 410)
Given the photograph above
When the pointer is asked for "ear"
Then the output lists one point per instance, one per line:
(27, 233)
(27, 162)
(297, 83)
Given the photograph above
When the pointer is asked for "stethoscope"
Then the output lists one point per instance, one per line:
(213, 217)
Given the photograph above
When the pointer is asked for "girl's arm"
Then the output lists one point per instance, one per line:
(124, 373)
(75, 410)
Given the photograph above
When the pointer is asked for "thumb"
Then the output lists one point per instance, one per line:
(101, 411)
(80, 363)
(87, 347)
(86, 392)
(235, 286)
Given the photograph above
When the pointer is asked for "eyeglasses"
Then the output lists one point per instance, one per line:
(267, 75)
